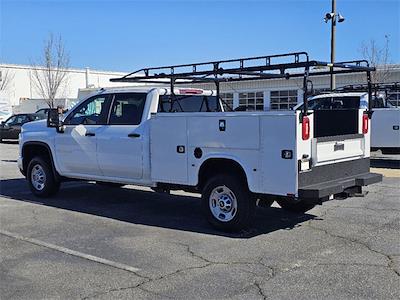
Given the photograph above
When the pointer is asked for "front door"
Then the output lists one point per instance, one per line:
(76, 147)
(120, 143)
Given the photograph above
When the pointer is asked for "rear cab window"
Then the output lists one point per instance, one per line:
(188, 103)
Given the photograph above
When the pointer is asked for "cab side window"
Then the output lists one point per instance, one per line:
(93, 111)
(127, 109)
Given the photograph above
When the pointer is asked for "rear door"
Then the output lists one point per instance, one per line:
(120, 143)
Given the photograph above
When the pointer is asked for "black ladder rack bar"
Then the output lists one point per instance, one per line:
(296, 56)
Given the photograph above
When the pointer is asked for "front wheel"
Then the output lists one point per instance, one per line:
(227, 203)
(41, 178)
(299, 206)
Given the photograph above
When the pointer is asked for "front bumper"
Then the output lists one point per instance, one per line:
(20, 165)
(325, 189)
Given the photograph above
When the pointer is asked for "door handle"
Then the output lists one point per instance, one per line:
(134, 135)
(90, 134)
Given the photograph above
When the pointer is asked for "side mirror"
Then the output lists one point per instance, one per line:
(53, 120)
(2, 123)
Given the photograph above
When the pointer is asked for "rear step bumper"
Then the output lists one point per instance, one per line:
(324, 189)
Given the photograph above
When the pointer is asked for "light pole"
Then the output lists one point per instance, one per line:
(333, 17)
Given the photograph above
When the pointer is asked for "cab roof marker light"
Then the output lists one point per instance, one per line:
(190, 91)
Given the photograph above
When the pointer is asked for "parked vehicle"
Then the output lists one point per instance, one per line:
(385, 122)
(43, 111)
(11, 128)
(180, 138)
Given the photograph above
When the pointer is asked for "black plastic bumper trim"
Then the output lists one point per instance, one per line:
(324, 189)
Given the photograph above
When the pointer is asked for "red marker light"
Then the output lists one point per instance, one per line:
(190, 91)
(305, 128)
(365, 124)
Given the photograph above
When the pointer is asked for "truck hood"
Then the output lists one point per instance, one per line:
(40, 125)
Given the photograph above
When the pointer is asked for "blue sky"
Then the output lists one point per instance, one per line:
(126, 35)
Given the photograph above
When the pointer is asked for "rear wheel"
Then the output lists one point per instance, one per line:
(41, 178)
(227, 203)
(299, 206)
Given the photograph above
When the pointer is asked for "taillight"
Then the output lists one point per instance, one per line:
(365, 121)
(305, 128)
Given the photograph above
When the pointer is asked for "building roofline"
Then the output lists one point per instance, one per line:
(72, 70)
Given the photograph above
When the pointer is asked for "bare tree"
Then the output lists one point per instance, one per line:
(50, 74)
(5, 79)
(378, 57)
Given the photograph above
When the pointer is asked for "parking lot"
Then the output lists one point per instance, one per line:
(96, 242)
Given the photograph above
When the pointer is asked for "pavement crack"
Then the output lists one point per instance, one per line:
(211, 262)
(390, 264)
(260, 290)
(193, 254)
(95, 295)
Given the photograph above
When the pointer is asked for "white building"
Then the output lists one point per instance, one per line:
(21, 82)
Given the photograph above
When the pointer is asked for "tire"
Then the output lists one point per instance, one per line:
(227, 203)
(41, 178)
(110, 184)
(295, 206)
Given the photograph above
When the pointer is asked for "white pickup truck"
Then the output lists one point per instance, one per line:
(184, 140)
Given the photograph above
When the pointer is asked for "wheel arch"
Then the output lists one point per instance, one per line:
(218, 165)
(32, 149)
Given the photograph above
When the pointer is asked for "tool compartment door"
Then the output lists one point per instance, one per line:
(168, 149)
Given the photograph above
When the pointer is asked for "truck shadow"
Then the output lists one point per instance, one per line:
(179, 212)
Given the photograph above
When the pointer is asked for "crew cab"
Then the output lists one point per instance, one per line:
(180, 138)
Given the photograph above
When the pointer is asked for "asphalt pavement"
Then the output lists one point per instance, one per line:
(93, 242)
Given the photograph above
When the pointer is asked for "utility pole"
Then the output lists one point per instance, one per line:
(333, 17)
(333, 36)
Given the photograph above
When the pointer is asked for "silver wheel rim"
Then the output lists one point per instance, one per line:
(38, 177)
(223, 203)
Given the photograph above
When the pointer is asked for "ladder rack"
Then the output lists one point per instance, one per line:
(288, 65)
